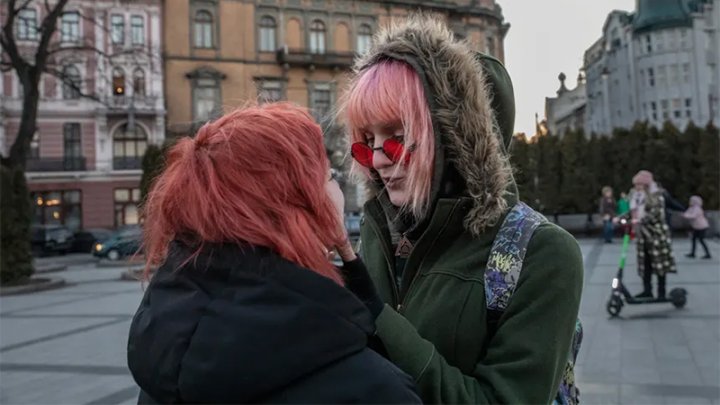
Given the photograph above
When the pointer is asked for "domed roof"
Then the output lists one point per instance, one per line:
(658, 14)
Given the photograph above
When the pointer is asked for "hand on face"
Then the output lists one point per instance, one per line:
(342, 243)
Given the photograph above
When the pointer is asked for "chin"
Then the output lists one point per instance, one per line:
(398, 199)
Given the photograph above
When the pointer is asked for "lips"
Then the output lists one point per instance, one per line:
(392, 181)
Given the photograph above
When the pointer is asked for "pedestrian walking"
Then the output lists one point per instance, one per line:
(699, 223)
(607, 212)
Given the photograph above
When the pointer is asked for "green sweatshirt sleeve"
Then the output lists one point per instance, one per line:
(526, 357)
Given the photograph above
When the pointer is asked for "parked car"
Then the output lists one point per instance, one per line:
(84, 240)
(124, 242)
(47, 239)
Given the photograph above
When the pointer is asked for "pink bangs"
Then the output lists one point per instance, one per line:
(388, 92)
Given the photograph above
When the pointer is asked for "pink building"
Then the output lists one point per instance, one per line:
(85, 164)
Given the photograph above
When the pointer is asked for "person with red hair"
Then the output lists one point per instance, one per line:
(245, 306)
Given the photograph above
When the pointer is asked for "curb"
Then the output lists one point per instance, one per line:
(120, 263)
(131, 274)
(41, 284)
(50, 269)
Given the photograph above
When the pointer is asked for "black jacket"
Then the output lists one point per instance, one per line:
(244, 325)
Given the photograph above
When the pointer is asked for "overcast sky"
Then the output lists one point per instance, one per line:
(547, 37)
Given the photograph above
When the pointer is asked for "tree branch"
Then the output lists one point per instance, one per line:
(17, 10)
(47, 29)
(67, 81)
(9, 45)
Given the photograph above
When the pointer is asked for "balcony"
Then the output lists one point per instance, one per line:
(68, 164)
(127, 163)
(305, 58)
(123, 102)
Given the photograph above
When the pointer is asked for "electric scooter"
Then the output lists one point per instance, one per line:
(620, 294)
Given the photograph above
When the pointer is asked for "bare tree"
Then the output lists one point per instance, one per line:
(30, 66)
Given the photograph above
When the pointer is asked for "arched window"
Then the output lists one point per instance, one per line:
(364, 38)
(118, 81)
(203, 26)
(71, 83)
(268, 28)
(317, 37)
(129, 145)
(139, 82)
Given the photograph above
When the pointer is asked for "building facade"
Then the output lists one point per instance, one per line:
(566, 112)
(96, 116)
(218, 54)
(657, 64)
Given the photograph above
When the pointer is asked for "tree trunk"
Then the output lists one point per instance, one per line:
(28, 120)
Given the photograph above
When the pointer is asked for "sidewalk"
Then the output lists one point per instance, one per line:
(651, 354)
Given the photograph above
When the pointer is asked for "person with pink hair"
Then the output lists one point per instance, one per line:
(429, 122)
(654, 247)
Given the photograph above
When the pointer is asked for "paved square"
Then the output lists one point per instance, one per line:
(67, 346)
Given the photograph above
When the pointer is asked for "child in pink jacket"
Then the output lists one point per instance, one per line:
(699, 224)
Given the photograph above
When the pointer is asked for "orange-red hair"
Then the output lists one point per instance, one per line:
(257, 176)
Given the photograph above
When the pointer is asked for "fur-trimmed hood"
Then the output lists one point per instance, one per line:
(468, 139)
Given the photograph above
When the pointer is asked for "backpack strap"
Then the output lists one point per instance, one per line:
(507, 255)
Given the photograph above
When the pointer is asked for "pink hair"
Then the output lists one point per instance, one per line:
(256, 175)
(387, 92)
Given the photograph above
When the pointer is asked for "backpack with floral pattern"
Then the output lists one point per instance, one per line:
(501, 277)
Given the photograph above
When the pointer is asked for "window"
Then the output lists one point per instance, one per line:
(660, 41)
(651, 77)
(71, 83)
(137, 30)
(490, 45)
(117, 29)
(672, 40)
(126, 206)
(206, 97)
(62, 207)
(129, 146)
(674, 78)
(118, 82)
(686, 73)
(70, 27)
(139, 83)
(72, 147)
(662, 76)
(267, 34)
(364, 38)
(642, 78)
(27, 25)
(676, 105)
(203, 28)
(683, 38)
(665, 109)
(320, 101)
(648, 44)
(688, 107)
(270, 91)
(653, 106)
(317, 37)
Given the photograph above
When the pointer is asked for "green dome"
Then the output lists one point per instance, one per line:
(658, 14)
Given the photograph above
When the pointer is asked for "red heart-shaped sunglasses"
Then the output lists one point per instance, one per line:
(392, 148)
